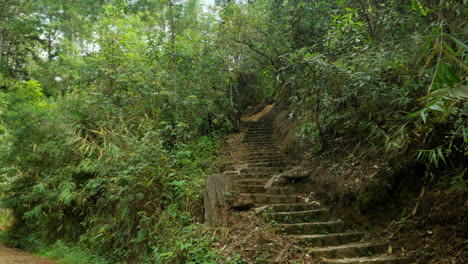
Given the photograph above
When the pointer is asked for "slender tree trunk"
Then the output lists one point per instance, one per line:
(111, 77)
(173, 43)
(49, 47)
(1, 50)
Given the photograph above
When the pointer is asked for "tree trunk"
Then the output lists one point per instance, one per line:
(173, 43)
(216, 207)
(1, 50)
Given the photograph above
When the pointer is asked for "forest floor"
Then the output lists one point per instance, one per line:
(16, 256)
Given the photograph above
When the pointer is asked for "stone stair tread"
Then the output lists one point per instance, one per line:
(324, 235)
(331, 239)
(387, 259)
(250, 181)
(299, 212)
(294, 207)
(349, 245)
(313, 223)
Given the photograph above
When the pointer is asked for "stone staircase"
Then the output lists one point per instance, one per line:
(299, 216)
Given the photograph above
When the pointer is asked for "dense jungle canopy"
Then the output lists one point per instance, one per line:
(112, 111)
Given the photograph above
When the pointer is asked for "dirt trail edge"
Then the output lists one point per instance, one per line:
(16, 256)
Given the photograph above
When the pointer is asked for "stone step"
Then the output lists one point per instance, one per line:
(262, 127)
(260, 156)
(258, 123)
(278, 159)
(260, 143)
(255, 128)
(271, 199)
(265, 164)
(256, 132)
(249, 188)
(282, 190)
(265, 176)
(294, 207)
(334, 239)
(371, 260)
(261, 151)
(250, 181)
(272, 170)
(351, 250)
(257, 148)
(313, 228)
(258, 137)
(320, 214)
(260, 188)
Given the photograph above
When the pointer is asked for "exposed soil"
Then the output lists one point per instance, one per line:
(16, 256)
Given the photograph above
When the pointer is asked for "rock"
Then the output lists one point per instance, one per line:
(296, 173)
(276, 181)
(216, 209)
(260, 209)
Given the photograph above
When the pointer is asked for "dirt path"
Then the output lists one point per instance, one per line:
(16, 256)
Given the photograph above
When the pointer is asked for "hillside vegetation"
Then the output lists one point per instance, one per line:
(112, 112)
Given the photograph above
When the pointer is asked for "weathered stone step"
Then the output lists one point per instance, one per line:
(294, 207)
(370, 260)
(258, 123)
(269, 152)
(259, 132)
(265, 176)
(351, 250)
(260, 188)
(250, 181)
(259, 148)
(255, 138)
(262, 126)
(299, 216)
(263, 155)
(258, 137)
(271, 199)
(312, 228)
(249, 188)
(265, 164)
(282, 190)
(334, 239)
(262, 152)
(278, 159)
(262, 169)
(259, 143)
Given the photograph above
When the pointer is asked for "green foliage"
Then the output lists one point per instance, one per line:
(108, 125)
(63, 253)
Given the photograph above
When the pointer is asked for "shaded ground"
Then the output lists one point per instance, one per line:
(16, 256)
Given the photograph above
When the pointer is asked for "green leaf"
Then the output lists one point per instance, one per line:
(436, 107)
(423, 117)
(459, 42)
